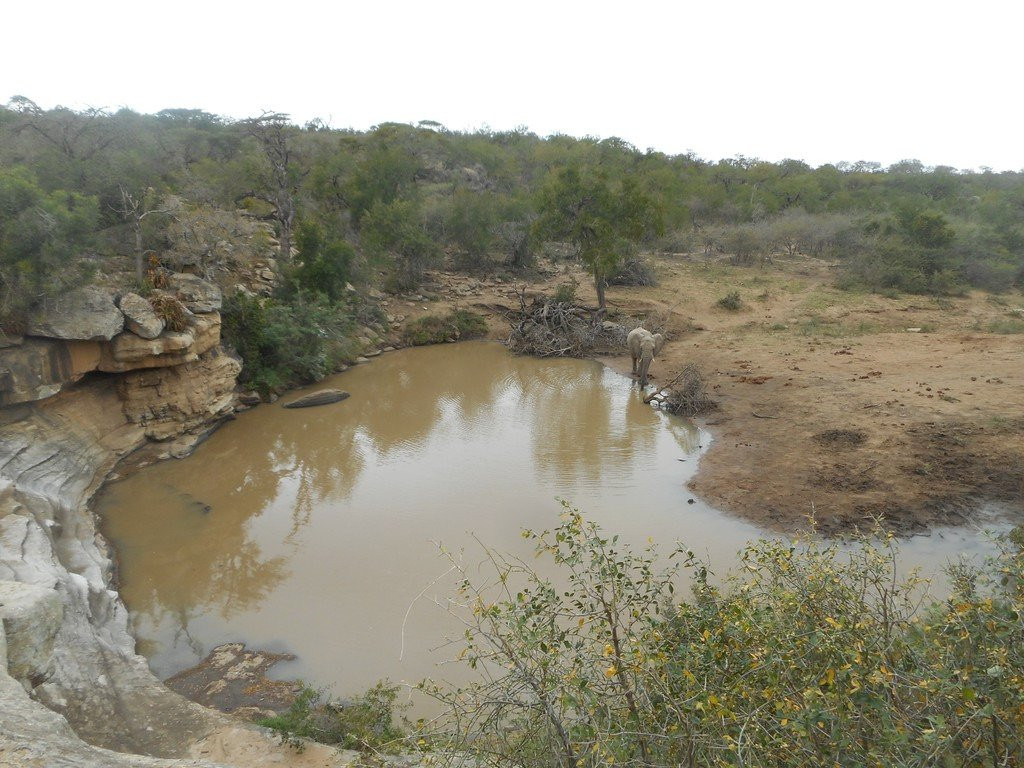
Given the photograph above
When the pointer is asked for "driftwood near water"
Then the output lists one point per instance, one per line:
(320, 397)
(685, 395)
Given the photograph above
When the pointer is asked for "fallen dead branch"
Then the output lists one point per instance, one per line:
(685, 395)
(544, 327)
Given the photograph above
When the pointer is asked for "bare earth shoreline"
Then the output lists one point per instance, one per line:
(845, 406)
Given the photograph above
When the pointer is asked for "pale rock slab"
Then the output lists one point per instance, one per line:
(31, 615)
(86, 314)
(198, 295)
(139, 317)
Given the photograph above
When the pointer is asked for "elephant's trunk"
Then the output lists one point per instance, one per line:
(645, 364)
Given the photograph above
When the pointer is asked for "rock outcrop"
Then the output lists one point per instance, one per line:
(30, 616)
(198, 295)
(39, 368)
(86, 314)
(66, 342)
(128, 352)
(169, 401)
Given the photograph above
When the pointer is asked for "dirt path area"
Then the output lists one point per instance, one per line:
(844, 405)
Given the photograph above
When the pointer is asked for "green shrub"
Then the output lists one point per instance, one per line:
(435, 329)
(364, 723)
(284, 344)
(565, 293)
(1012, 325)
(396, 231)
(41, 238)
(731, 301)
(325, 264)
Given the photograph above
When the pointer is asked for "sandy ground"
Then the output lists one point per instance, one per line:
(829, 404)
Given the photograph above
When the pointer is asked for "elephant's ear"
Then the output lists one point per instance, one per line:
(659, 342)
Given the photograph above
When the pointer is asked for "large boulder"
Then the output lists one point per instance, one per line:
(30, 615)
(87, 314)
(139, 317)
(198, 295)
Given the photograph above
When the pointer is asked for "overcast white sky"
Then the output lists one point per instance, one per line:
(821, 81)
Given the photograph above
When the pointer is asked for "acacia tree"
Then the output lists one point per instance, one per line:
(598, 216)
(135, 208)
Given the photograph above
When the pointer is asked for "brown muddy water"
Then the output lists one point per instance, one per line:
(316, 531)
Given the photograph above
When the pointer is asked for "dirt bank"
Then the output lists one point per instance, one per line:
(839, 404)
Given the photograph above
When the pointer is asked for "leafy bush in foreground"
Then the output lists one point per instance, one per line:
(812, 654)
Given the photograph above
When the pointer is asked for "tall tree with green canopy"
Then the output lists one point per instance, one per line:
(599, 216)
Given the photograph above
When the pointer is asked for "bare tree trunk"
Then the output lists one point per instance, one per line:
(139, 261)
(599, 286)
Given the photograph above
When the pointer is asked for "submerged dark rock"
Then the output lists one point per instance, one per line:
(321, 397)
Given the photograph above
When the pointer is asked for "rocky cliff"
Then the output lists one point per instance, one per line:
(96, 377)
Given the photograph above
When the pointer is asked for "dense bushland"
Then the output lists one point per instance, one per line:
(811, 654)
(85, 189)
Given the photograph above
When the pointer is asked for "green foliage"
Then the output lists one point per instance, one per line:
(485, 195)
(326, 263)
(40, 235)
(812, 654)
(365, 723)
(286, 344)
(435, 329)
(383, 171)
(1011, 325)
(397, 230)
(470, 221)
(565, 293)
(599, 216)
(731, 301)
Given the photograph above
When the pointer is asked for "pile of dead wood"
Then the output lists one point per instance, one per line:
(544, 327)
(685, 395)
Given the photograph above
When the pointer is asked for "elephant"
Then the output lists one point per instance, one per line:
(643, 346)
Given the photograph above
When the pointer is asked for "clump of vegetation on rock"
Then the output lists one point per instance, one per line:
(365, 723)
(170, 310)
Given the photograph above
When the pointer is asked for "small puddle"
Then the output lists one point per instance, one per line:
(315, 531)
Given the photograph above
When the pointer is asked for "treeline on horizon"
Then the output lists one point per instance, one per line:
(81, 189)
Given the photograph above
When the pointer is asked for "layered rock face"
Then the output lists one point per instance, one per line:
(93, 330)
(77, 400)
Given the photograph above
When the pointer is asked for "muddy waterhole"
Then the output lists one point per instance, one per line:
(316, 531)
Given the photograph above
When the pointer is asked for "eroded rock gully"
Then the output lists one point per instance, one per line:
(72, 690)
